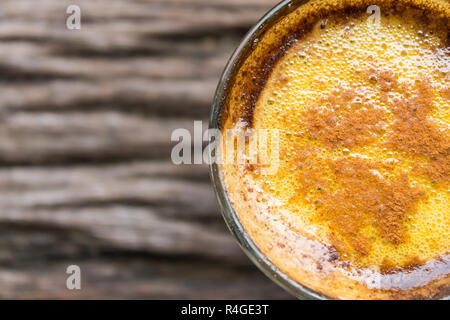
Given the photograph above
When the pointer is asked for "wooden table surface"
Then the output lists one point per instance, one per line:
(85, 171)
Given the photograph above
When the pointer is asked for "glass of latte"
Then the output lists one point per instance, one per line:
(333, 161)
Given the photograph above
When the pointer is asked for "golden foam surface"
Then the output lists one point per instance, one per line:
(347, 58)
(362, 110)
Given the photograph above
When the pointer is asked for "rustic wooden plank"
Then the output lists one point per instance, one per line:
(136, 277)
(192, 97)
(85, 173)
(138, 184)
(139, 207)
(30, 60)
(46, 137)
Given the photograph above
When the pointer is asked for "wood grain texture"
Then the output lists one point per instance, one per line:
(85, 172)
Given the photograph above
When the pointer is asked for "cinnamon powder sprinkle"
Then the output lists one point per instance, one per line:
(363, 197)
(345, 121)
(415, 132)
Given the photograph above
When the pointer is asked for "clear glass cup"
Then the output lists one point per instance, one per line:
(225, 85)
(231, 219)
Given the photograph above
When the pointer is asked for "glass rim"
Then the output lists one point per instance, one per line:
(226, 208)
